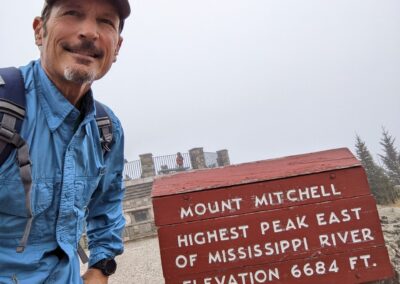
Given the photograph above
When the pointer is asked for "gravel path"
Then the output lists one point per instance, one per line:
(139, 264)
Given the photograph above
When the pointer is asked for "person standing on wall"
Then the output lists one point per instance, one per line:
(179, 160)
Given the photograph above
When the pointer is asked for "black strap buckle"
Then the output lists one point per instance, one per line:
(6, 134)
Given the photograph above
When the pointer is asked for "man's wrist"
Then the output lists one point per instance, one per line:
(107, 266)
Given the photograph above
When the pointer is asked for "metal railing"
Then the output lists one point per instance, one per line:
(211, 159)
(132, 170)
(167, 164)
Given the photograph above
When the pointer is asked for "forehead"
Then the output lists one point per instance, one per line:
(100, 6)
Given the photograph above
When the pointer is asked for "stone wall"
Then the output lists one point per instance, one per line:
(138, 209)
(390, 220)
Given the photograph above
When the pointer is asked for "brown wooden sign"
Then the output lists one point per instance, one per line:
(360, 266)
(292, 220)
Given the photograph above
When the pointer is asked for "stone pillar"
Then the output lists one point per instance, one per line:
(223, 158)
(197, 158)
(146, 160)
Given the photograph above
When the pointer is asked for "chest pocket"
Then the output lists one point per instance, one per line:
(13, 215)
(12, 198)
(84, 189)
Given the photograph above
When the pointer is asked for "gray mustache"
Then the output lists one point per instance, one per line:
(86, 46)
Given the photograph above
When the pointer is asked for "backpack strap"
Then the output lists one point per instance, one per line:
(12, 113)
(105, 127)
(12, 108)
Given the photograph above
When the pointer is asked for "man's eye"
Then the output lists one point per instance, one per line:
(72, 13)
(108, 22)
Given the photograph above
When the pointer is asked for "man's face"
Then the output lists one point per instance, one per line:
(79, 41)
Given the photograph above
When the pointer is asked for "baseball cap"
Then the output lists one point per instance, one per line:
(123, 7)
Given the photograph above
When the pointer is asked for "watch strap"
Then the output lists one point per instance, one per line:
(107, 266)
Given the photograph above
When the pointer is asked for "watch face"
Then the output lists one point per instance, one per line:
(110, 266)
(107, 266)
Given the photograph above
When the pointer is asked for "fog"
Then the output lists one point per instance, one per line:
(260, 78)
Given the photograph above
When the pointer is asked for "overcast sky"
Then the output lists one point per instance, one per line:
(261, 78)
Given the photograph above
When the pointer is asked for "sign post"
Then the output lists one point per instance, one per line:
(300, 219)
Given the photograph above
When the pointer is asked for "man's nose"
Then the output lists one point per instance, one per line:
(89, 30)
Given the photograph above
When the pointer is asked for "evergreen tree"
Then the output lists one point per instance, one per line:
(391, 157)
(380, 184)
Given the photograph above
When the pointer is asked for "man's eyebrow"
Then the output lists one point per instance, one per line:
(67, 6)
(70, 4)
(110, 15)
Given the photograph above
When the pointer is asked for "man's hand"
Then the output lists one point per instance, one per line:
(94, 276)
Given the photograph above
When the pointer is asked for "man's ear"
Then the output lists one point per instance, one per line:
(120, 40)
(38, 30)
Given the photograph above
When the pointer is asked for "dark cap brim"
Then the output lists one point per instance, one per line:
(123, 7)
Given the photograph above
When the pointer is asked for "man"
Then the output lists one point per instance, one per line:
(73, 181)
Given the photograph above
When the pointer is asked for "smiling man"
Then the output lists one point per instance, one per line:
(74, 175)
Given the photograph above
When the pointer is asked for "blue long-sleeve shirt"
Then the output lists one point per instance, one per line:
(73, 181)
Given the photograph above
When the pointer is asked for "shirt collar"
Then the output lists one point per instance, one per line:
(56, 107)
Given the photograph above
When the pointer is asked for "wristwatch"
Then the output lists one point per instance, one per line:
(108, 266)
